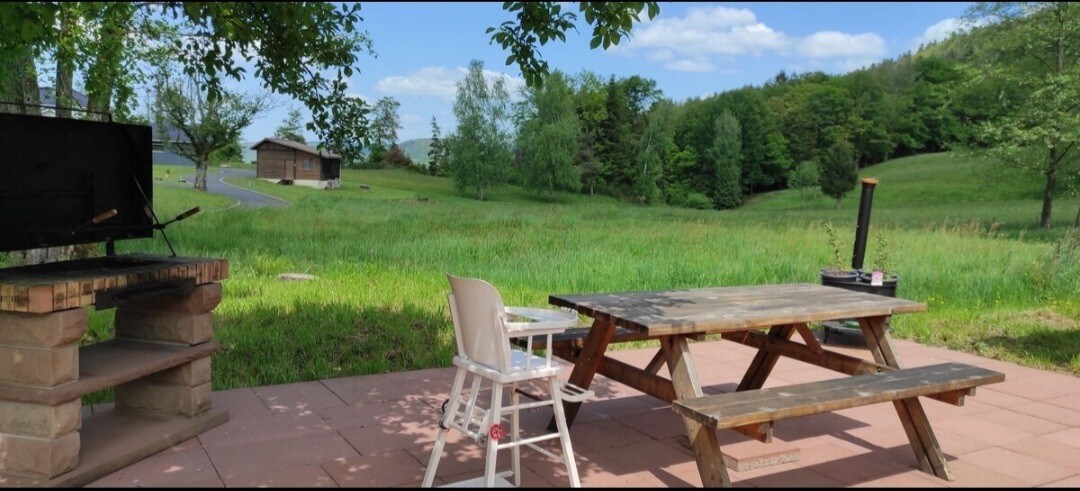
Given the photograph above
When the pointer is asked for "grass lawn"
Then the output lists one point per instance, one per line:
(964, 244)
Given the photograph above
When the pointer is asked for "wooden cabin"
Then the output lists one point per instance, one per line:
(289, 162)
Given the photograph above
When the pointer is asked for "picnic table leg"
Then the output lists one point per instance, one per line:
(764, 361)
(592, 353)
(916, 425)
(710, 460)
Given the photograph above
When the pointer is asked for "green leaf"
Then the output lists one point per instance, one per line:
(595, 42)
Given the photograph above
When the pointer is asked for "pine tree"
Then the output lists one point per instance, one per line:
(437, 152)
(838, 172)
(724, 155)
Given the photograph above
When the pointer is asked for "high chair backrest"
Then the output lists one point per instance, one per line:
(478, 313)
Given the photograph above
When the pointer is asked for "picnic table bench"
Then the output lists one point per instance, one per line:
(739, 314)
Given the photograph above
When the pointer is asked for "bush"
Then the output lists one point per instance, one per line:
(698, 201)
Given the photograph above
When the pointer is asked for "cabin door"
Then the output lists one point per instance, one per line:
(290, 169)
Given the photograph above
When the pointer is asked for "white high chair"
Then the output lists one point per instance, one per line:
(483, 334)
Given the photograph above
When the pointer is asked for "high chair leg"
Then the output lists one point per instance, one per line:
(564, 432)
(440, 440)
(515, 434)
(492, 444)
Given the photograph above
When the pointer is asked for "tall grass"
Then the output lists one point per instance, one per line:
(381, 255)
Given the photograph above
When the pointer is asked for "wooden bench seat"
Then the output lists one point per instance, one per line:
(763, 406)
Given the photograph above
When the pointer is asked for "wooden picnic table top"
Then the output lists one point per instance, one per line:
(727, 309)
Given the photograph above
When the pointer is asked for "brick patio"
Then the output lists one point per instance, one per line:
(377, 431)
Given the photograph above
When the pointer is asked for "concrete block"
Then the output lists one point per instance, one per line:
(39, 420)
(43, 330)
(161, 398)
(188, 375)
(38, 457)
(39, 367)
(200, 301)
(164, 327)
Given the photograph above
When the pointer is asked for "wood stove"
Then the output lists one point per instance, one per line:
(66, 182)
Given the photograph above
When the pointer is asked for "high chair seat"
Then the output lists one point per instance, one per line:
(483, 327)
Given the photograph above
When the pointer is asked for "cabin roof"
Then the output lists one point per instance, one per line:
(298, 146)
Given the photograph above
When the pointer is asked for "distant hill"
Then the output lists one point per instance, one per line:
(417, 149)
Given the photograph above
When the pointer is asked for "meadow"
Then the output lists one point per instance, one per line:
(963, 243)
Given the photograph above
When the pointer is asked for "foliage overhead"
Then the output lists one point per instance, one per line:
(536, 23)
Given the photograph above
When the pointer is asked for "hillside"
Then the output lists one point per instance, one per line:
(381, 253)
(417, 149)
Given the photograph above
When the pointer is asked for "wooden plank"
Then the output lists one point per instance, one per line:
(808, 338)
(764, 361)
(710, 461)
(576, 338)
(636, 378)
(110, 363)
(910, 411)
(758, 406)
(732, 308)
(592, 354)
(832, 360)
(657, 362)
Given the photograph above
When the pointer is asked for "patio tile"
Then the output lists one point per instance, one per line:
(598, 435)
(968, 475)
(241, 403)
(1048, 450)
(846, 466)
(1050, 412)
(369, 389)
(1069, 437)
(270, 456)
(657, 423)
(308, 476)
(458, 457)
(907, 479)
(941, 411)
(1068, 482)
(798, 476)
(167, 468)
(302, 398)
(1021, 421)
(987, 395)
(978, 429)
(1017, 465)
(248, 431)
(377, 469)
(1044, 386)
(1067, 402)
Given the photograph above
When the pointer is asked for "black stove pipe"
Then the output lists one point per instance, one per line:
(862, 228)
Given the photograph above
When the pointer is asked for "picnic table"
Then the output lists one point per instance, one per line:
(739, 314)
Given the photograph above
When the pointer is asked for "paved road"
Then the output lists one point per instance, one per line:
(215, 183)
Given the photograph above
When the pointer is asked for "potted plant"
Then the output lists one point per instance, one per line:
(881, 278)
(836, 274)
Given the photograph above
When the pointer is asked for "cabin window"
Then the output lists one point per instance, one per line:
(309, 165)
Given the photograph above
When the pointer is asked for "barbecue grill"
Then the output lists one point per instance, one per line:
(66, 182)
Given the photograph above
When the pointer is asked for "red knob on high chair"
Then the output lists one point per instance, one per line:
(496, 432)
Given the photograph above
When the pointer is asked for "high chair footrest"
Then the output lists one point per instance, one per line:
(573, 393)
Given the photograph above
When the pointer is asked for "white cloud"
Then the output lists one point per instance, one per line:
(439, 82)
(710, 37)
(832, 44)
(427, 81)
(690, 66)
(943, 29)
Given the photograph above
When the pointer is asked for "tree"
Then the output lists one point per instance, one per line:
(549, 138)
(724, 155)
(614, 148)
(385, 122)
(291, 128)
(803, 176)
(304, 50)
(209, 126)
(437, 152)
(652, 152)
(540, 22)
(838, 169)
(1032, 46)
(479, 156)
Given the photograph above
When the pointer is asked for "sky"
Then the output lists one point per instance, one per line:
(690, 49)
